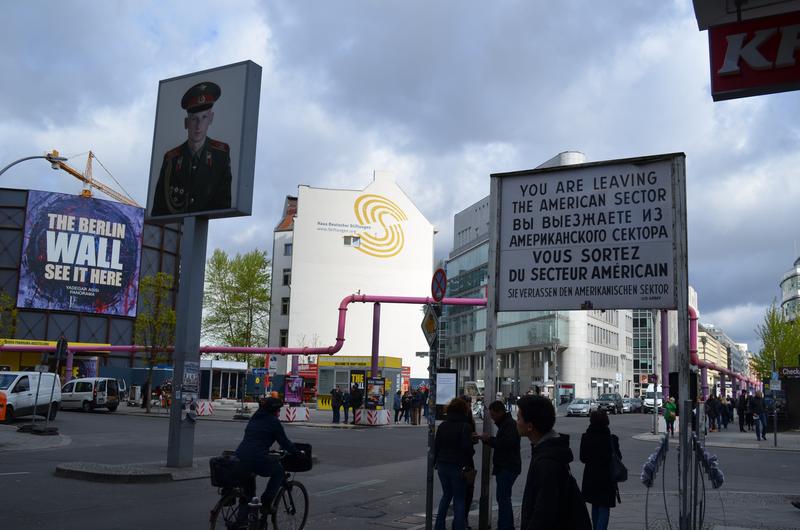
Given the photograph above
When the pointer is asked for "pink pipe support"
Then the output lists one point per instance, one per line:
(664, 355)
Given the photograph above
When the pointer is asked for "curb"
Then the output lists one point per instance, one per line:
(648, 437)
(66, 471)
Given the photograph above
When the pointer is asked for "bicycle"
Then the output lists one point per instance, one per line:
(289, 508)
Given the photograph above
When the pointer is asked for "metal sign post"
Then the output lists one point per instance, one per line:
(180, 450)
(489, 391)
(430, 328)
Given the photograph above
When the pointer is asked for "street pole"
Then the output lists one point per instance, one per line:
(774, 406)
(485, 502)
(432, 368)
(189, 309)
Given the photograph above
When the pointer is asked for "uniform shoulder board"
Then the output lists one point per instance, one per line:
(172, 153)
(216, 144)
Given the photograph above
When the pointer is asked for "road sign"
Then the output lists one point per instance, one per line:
(775, 385)
(438, 284)
(600, 235)
(430, 324)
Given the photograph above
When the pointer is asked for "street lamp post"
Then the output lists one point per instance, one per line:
(53, 158)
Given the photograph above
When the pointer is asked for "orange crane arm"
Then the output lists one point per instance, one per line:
(93, 183)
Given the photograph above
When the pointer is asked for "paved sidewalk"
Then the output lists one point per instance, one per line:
(787, 440)
(725, 510)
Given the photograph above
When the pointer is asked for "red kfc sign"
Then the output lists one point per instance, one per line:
(753, 57)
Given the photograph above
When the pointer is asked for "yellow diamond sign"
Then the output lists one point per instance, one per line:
(430, 324)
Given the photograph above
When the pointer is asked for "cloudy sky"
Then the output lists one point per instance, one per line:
(441, 93)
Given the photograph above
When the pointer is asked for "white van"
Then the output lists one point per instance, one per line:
(652, 395)
(89, 393)
(20, 389)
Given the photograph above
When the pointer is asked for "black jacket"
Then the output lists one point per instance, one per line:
(356, 397)
(545, 502)
(194, 182)
(263, 430)
(597, 487)
(453, 441)
(506, 446)
(757, 405)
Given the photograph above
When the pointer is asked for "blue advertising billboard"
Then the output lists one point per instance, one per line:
(80, 254)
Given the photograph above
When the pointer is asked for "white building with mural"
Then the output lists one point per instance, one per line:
(332, 243)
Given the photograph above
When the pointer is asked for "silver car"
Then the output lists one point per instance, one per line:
(581, 407)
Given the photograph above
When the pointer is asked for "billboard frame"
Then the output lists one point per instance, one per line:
(679, 238)
(242, 192)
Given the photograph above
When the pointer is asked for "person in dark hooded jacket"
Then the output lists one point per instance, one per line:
(452, 454)
(551, 499)
(598, 488)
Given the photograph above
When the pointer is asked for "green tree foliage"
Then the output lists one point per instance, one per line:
(237, 300)
(781, 340)
(8, 316)
(155, 322)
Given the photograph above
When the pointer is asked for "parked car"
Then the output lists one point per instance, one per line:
(581, 407)
(611, 402)
(636, 404)
(89, 393)
(21, 389)
(627, 406)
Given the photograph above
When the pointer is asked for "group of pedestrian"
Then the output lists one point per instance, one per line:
(752, 413)
(750, 410)
(348, 400)
(552, 498)
(719, 411)
(410, 407)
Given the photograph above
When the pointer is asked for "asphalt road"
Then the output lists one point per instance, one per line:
(366, 476)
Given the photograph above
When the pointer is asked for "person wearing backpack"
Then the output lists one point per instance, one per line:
(551, 498)
(599, 488)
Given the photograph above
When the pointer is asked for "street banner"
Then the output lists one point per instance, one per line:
(80, 254)
(358, 378)
(294, 390)
(375, 392)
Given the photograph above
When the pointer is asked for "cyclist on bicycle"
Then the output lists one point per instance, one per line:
(261, 432)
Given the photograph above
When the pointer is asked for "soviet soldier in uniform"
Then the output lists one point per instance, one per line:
(196, 175)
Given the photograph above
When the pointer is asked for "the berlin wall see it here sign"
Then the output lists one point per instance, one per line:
(591, 236)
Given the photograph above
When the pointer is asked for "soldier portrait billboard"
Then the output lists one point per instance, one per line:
(204, 144)
(80, 254)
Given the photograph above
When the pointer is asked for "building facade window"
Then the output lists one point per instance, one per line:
(352, 241)
(643, 364)
(287, 249)
(284, 306)
(287, 277)
(283, 338)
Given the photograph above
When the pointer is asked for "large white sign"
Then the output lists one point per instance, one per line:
(590, 236)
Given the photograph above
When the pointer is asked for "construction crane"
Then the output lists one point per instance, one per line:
(88, 181)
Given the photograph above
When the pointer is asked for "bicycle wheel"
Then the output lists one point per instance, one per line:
(223, 516)
(290, 509)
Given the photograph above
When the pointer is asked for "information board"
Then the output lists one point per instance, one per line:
(591, 236)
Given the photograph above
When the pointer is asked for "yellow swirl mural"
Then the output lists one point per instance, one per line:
(378, 210)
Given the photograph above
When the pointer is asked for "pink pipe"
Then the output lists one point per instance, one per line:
(693, 358)
(664, 355)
